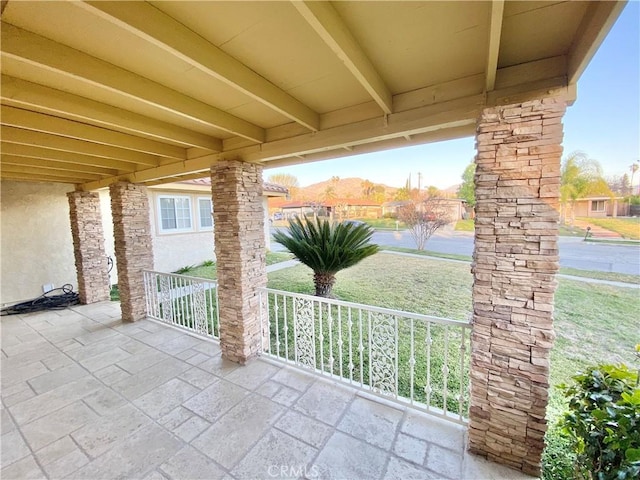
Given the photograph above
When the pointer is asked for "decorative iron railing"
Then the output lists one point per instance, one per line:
(185, 302)
(413, 359)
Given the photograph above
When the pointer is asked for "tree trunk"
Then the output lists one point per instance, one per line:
(324, 284)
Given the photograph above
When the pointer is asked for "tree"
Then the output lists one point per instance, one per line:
(327, 247)
(401, 194)
(467, 189)
(286, 180)
(368, 188)
(424, 218)
(619, 184)
(580, 177)
(635, 166)
(329, 193)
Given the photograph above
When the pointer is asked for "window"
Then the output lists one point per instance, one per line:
(597, 205)
(175, 214)
(205, 213)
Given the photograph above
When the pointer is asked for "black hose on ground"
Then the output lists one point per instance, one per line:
(45, 302)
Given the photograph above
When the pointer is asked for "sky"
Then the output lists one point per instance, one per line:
(604, 123)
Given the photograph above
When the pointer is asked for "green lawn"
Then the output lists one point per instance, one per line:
(593, 323)
(565, 230)
(465, 225)
(384, 223)
(627, 227)
(209, 270)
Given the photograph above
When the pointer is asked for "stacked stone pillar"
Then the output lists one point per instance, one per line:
(240, 254)
(133, 246)
(88, 246)
(515, 261)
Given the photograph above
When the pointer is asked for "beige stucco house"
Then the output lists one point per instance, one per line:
(37, 251)
(600, 207)
(129, 95)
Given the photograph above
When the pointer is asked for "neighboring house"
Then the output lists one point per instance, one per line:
(340, 208)
(600, 207)
(37, 250)
(455, 207)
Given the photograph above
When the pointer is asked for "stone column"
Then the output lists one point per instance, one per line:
(515, 261)
(88, 246)
(134, 250)
(240, 253)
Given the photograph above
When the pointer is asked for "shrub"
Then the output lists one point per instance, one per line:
(208, 263)
(185, 269)
(603, 422)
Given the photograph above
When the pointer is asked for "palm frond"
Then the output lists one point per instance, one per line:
(327, 247)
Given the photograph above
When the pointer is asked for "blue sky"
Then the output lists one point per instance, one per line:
(604, 122)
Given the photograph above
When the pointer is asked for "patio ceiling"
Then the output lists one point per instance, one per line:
(154, 92)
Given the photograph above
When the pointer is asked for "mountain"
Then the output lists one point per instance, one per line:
(342, 188)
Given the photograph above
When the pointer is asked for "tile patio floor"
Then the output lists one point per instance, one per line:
(85, 396)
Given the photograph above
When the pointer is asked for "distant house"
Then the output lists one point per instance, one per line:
(600, 207)
(340, 208)
(455, 206)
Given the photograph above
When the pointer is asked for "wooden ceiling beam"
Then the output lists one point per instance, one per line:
(7, 159)
(41, 153)
(47, 54)
(147, 22)
(46, 140)
(422, 124)
(25, 170)
(21, 93)
(493, 48)
(23, 177)
(326, 22)
(39, 122)
(195, 165)
(595, 26)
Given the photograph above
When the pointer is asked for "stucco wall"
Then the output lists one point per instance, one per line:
(107, 227)
(37, 248)
(172, 251)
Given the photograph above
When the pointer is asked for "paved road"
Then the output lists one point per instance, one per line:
(574, 252)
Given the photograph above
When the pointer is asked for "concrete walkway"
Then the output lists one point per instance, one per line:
(85, 396)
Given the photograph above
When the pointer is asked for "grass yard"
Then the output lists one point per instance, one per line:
(564, 230)
(465, 225)
(209, 270)
(594, 323)
(627, 227)
(384, 223)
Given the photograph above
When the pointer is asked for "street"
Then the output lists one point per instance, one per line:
(574, 252)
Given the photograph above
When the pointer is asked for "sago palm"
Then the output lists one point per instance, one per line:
(326, 247)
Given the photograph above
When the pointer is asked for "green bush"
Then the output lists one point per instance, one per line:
(603, 422)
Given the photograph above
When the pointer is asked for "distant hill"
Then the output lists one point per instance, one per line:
(342, 188)
(452, 189)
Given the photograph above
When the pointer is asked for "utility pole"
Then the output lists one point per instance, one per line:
(419, 181)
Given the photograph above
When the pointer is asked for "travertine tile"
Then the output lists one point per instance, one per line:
(229, 439)
(345, 457)
(371, 421)
(277, 455)
(190, 463)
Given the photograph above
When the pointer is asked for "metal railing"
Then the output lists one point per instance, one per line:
(413, 359)
(185, 302)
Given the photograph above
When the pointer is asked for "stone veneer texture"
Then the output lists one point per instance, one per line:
(515, 260)
(88, 246)
(240, 253)
(133, 246)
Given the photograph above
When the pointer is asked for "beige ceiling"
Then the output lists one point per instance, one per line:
(153, 92)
